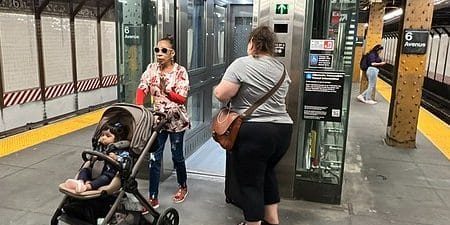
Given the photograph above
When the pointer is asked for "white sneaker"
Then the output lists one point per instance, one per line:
(371, 102)
(80, 187)
(361, 98)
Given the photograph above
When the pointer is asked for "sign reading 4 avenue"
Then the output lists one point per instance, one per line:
(415, 41)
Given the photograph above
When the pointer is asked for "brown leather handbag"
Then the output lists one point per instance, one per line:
(226, 124)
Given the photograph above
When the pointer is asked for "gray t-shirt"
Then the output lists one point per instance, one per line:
(256, 77)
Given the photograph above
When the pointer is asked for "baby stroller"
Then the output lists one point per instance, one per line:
(110, 204)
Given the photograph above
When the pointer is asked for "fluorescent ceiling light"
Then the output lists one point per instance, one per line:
(393, 14)
(438, 2)
(398, 12)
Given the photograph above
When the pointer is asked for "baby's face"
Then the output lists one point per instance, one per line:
(106, 137)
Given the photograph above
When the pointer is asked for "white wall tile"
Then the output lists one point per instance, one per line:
(19, 52)
(59, 106)
(87, 48)
(57, 50)
(109, 48)
(19, 115)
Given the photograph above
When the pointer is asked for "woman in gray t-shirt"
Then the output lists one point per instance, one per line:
(265, 135)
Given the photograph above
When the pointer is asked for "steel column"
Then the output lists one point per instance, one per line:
(374, 36)
(73, 12)
(407, 90)
(99, 44)
(38, 8)
(1, 79)
(100, 15)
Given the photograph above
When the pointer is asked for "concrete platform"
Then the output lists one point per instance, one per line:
(382, 185)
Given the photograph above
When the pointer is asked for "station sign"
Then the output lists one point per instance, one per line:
(320, 60)
(132, 34)
(321, 45)
(322, 98)
(415, 41)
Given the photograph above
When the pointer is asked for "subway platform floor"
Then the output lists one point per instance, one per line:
(382, 184)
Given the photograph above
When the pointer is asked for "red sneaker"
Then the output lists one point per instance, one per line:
(181, 194)
(154, 202)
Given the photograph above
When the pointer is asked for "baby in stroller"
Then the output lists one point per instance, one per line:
(109, 139)
(121, 144)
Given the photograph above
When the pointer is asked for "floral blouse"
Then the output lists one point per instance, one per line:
(177, 81)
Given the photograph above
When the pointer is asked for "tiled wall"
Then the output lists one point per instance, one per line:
(57, 50)
(22, 97)
(19, 53)
(87, 48)
(108, 47)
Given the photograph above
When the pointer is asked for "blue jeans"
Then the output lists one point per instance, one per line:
(372, 73)
(176, 143)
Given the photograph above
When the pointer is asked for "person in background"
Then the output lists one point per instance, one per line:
(168, 83)
(374, 61)
(265, 135)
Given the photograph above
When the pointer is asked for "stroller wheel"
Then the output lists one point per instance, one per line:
(169, 217)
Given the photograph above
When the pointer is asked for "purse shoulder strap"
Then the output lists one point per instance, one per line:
(260, 101)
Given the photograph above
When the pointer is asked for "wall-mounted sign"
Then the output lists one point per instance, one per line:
(320, 60)
(322, 45)
(335, 17)
(132, 34)
(322, 98)
(280, 50)
(415, 41)
(281, 8)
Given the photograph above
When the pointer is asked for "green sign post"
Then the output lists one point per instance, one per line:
(281, 9)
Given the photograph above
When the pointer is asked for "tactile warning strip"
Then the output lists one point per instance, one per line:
(436, 130)
(29, 138)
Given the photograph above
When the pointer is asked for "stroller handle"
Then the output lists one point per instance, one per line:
(102, 156)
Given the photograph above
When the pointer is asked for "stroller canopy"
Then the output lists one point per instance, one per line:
(138, 119)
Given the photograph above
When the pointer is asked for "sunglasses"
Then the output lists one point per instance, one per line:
(163, 50)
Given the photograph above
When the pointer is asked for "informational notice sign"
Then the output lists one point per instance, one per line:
(415, 41)
(322, 98)
(320, 60)
(132, 34)
(321, 45)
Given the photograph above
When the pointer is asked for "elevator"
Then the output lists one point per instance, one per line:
(316, 41)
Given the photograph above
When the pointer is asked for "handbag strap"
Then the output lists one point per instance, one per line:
(266, 96)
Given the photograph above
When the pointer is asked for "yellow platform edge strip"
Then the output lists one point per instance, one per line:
(36, 136)
(434, 129)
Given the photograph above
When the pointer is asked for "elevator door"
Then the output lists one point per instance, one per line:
(241, 26)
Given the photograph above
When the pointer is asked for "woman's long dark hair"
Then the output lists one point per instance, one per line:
(376, 48)
(263, 40)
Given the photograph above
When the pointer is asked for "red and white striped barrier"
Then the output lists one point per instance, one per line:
(31, 95)
(59, 90)
(109, 80)
(20, 97)
(88, 84)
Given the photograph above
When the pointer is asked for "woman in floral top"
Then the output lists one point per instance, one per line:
(168, 84)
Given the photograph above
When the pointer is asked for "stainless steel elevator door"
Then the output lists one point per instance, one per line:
(241, 26)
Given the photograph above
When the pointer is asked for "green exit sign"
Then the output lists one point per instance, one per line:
(281, 9)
